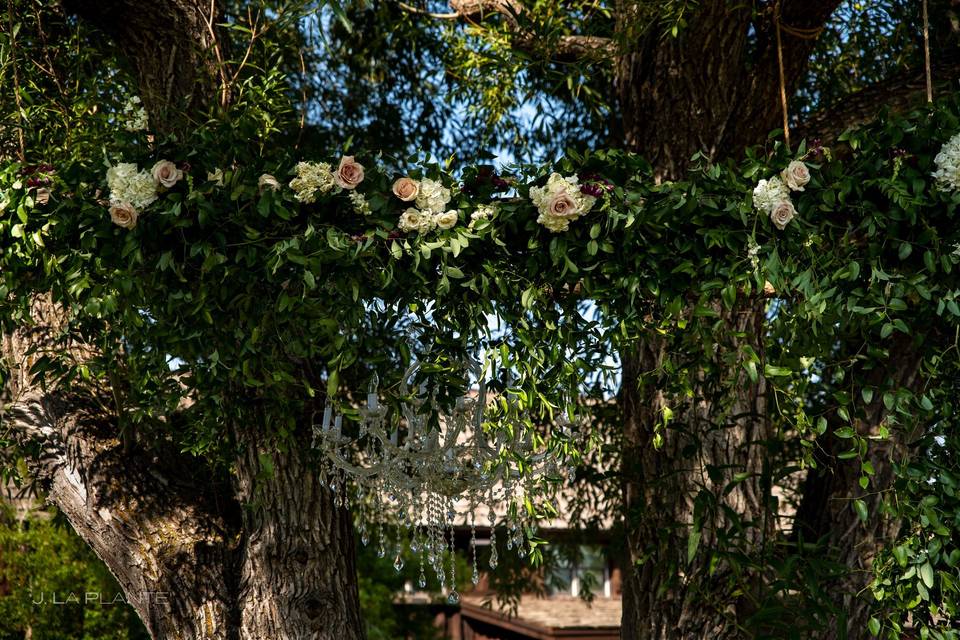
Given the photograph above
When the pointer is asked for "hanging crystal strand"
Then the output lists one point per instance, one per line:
(439, 542)
(493, 537)
(423, 553)
(398, 549)
(473, 544)
(381, 551)
(454, 597)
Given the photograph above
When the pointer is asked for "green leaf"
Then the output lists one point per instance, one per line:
(693, 542)
(861, 508)
(901, 554)
(874, 626)
(770, 370)
(333, 383)
(926, 574)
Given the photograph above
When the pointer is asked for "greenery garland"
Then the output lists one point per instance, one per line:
(211, 260)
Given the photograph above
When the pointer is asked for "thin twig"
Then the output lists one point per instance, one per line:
(16, 83)
(424, 12)
(926, 51)
(221, 65)
(303, 99)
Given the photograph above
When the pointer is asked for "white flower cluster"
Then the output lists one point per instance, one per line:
(947, 173)
(560, 202)
(132, 190)
(773, 196)
(483, 212)
(360, 204)
(431, 199)
(129, 184)
(422, 222)
(312, 178)
(134, 115)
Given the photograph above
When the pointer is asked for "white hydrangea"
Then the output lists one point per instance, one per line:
(433, 196)
(312, 177)
(134, 115)
(483, 212)
(948, 165)
(130, 185)
(560, 202)
(360, 204)
(769, 193)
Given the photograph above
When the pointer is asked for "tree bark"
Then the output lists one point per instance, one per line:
(297, 572)
(674, 588)
(266, 556)
(825, 511)
(259, 555)
(715, 91)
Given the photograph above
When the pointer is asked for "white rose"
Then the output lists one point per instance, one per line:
(782, 213)
(266, 180)
(411, 220)
(446, 220)
(123, 214)
(349, 174)
(166, 173)
(795, 176)
(406, 189)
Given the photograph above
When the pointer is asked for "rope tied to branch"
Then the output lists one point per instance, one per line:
(783, 81)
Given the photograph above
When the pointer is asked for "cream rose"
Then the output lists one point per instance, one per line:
(266, 180)
(795, 176)
(446, 220)
(411, 220)
(123, 214)
(166, 173)
(349, 174)
(406, 189)
(563, 206)
(782, 213)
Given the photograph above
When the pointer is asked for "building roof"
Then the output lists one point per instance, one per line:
(553, 617)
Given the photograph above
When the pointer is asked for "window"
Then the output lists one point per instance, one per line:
(577, 571)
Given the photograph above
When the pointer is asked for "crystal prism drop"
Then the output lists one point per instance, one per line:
(476, 577)
(453, 598)
(398, 564)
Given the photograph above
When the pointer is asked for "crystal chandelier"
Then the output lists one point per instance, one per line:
(426, 469)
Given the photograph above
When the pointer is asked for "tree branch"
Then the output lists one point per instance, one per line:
(162, 532)
(564, 48)
(898, 93)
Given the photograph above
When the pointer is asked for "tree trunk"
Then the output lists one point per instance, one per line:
(264, 554)
(716, 89)
(271, 558)
(825, 510)
(297, 573)
(686, 489)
